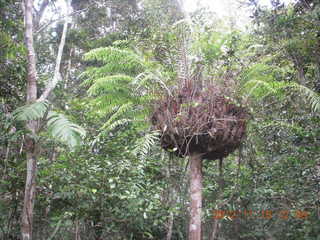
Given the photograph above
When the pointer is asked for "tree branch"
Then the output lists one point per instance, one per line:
(57, 76)
(40, 13)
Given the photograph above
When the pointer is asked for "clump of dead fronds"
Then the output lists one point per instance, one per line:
(195, 120)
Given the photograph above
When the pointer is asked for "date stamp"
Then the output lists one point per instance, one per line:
(260, 214)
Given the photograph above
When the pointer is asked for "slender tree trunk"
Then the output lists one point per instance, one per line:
(30, 186)
(32, 126)
(215, 223)
(171, 195)
(196, 197)
(170, 227)
(77, 230)
(57, 76)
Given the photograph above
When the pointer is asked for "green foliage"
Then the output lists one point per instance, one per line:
(118, 183)
(58, 125)
(114, 121)
(145, 144)
(110, 85)
(211, 45)
(120, 88)
(33, 111)
(266, 85)
(311, 96)
(115, 61)
(64, 130)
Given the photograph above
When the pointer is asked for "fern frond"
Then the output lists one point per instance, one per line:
(110, 83)
(258, 88)
(32, 111)
(122, 110)
(108, 101)
(64, 130)
(117, 60)
(151, 80)
(259, 71)
(111, 126)
(144, 144)
(312, 97)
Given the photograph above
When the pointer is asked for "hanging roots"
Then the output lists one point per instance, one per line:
(193, 121)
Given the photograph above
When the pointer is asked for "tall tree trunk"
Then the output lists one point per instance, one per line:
(77, 230)
(215, 223)
(195, 197)
(170, 196)
(32, 126)
(30, 186)
(170, 227)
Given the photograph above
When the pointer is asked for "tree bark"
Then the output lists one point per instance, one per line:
(32, 126)
(215, 223)
(195, 197)
(57, 76)
(77, 230)
(30, 186)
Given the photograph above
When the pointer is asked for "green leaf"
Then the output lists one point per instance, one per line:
(312, 97)
(64, 130)
(145, 143)
(32, 111)
(110, 83)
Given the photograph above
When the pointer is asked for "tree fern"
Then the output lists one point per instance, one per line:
(119, 87)
(109, 126)
(259, 89)
(121, 90)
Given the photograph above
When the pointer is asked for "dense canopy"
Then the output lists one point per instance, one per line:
(110, 109)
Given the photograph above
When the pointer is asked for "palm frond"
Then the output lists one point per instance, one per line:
(64, 130)
(32, 111)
